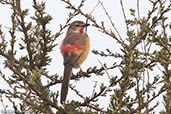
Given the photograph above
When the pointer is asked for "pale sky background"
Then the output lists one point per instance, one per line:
(100, 41)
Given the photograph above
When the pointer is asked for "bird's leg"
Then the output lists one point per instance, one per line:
(80, 69)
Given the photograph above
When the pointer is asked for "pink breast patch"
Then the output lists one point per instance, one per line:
(71, 47)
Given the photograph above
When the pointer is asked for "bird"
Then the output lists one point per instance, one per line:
(74, 49)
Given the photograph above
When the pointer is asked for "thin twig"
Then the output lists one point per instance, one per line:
(91, 13)
(94, 88)
(110, 19)
(77, 92)
(105, 69)
(93, 107)
(123, 11)
(94, 8)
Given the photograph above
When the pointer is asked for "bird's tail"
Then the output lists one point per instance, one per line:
(65, 82)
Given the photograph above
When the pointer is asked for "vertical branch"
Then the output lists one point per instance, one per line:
(144, 26)
(163, 19)
(130, 64)
(123, 11)
(138, 92)
(164, 30)
(43, 24)
(148, 78)
(138, 9)
(169, 97)
(127, 79)
(24, 30)
(43, 33)
(12, 31)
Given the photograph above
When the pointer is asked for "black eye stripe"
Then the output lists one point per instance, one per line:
(77, 25)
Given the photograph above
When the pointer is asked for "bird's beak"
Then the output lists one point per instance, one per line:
(85, 25)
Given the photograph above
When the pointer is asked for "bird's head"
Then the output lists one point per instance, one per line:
(77, 27)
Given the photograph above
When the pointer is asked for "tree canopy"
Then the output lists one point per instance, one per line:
(143, 63)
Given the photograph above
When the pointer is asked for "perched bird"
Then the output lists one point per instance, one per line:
(75, 49)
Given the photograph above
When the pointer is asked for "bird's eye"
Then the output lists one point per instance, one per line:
(77, 25)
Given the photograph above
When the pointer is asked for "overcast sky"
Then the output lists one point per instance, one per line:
(57, 10)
